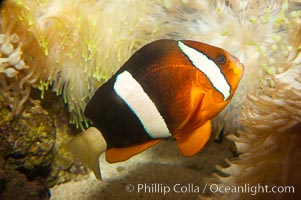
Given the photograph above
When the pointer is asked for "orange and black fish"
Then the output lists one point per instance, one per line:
(167, 88)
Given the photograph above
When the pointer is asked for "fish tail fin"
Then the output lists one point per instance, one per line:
(88, 146)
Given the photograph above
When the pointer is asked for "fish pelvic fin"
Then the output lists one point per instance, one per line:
(192, 142)
(88, 146)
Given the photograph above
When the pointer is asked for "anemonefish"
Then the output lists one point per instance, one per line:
(167, 88)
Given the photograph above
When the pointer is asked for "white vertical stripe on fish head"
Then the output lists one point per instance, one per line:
(131, 92)
(208, 67)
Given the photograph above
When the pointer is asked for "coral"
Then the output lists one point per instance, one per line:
(32, 141)
(32, 135)
(14, 184)
(64, 167)
(31, 149)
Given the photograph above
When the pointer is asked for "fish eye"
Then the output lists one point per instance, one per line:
(221, 59)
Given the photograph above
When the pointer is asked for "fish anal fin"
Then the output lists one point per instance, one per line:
(191, 143)
(121, 154)
(88, 146)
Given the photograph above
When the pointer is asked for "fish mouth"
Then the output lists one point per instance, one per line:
(242, 68)
(238, 69)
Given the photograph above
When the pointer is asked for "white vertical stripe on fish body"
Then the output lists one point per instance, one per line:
(208, 67)
(131, 92)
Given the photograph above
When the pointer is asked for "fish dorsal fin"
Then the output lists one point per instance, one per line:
(191, 143)
(121, 154)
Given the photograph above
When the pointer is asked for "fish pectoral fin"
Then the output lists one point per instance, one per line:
(121, 154)
(88, 146)
(191, 143)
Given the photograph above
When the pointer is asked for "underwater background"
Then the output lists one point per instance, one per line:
(54, 55)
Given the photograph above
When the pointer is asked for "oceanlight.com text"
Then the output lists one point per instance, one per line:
(250, 189)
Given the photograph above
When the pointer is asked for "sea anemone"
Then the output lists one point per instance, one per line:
(74, 46)
(253, 31)
(20, 56)
(269, 144)
(83, 43)
(268, 140)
